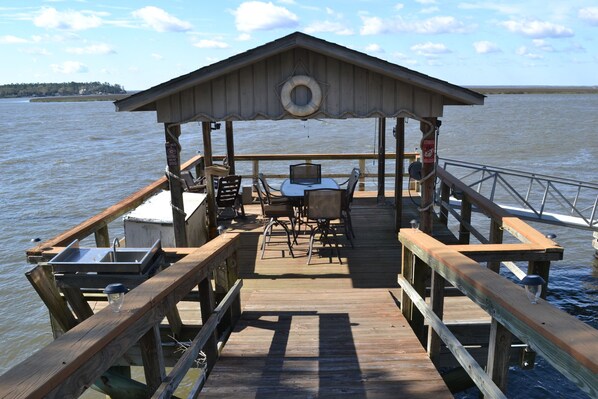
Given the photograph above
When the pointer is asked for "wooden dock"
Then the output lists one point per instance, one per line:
(324, 329)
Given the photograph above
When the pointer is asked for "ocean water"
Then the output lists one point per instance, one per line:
(64, 162)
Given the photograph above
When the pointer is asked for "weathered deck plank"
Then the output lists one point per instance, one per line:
(324, 329)
(323, 343)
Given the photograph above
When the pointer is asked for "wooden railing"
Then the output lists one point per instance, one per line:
(85, 354)
(558, 337)
(282, 161)
(570, 345)
(98, 224)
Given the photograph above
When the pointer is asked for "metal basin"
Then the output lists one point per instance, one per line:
(105, 260)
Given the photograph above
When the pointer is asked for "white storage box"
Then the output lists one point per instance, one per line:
(152, 220)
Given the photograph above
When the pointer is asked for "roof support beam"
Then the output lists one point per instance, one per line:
(381, 157)
(173, 160)
(400, 157)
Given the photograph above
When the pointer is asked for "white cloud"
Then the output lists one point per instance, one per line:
(51, 18)
(36, 51)
(94, 49)
(524, 52)
(404, 59)
(328, 27)
(430, 10)
(430, 49)
(288, 2)
(157, 56)
(485, 47)
(589, 14)
(374, 48)
(543, 45)
(243, 37)
(399, 6)
(256, 15)
(426, 1)
(434, 25)
(161, 21)
(204, 43)
(537, 29)
(10, 39)
(69, 67)
(509, 9)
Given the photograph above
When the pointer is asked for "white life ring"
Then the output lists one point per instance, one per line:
(301, 110)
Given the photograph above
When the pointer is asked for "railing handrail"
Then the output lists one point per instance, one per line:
(519, 173)
(508, 222)
(570, 345)
(72, 362)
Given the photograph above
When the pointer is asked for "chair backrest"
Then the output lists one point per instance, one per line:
(188, 179)
(306, 173)
(261, 197)
(351, 185)
(265, 186)
(228, 190)
(324, 203)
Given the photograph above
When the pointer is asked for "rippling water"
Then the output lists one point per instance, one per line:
(64, 162)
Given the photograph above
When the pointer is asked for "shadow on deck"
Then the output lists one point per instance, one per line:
(324, 329)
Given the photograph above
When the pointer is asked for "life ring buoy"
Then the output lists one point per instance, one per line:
(301, 110)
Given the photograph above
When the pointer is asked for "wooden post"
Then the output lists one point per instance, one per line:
(420, 274)
(496, 236)
(153, 358)
(465, 221)
(102, 237)
(206, 131)
(428, 161)
(212, 210)
(225, 277)
(362, 177)
(407, 273)
(399, 161)
(75, 298)
(437, 303)
(542, 269)
(173, 160)
(207, 303)
(381, 157)
(230, 146)
(499, 350)
(445, 195)
(42, 281)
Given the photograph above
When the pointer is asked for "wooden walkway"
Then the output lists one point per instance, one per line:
(324, 330)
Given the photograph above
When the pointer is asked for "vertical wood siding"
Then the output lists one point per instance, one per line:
(253, 92)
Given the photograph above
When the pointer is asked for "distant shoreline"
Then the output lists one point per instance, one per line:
(479, 89)
(534, 89)
(98, 97)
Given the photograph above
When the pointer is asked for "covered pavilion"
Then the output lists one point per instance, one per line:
(300, 77)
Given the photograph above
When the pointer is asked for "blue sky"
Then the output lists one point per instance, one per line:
(139, 44)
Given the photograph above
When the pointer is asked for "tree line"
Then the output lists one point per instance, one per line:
(58, 89)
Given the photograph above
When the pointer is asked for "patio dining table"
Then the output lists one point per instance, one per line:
(297, 191)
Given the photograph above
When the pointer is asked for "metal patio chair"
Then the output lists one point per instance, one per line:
(271, 214)
(306, 173)
(324, 206)
(228, 197)
(348, 201)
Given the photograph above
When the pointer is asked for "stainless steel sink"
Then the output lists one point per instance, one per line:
(105, 260)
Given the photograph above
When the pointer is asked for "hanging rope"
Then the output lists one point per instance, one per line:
(172, 176)
(173, 137)
(431, 133)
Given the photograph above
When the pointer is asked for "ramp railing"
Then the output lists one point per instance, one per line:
(531, 196)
